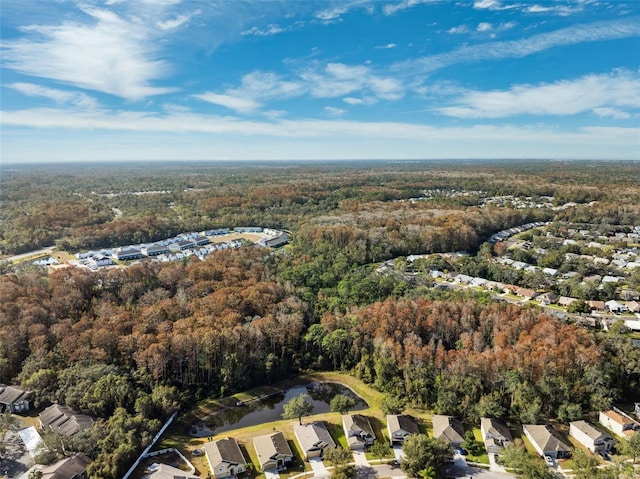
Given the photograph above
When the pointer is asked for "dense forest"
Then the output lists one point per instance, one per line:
(132, 345)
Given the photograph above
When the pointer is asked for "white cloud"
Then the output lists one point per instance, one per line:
(301, 139)
(177, 21)
(590, 32)
(612, 113)
(333, 14)
(339, 79)
(333, 111)
(239, 104)
(561, 10)
(107, 54)
(569, 97)
(59, 96)
(458, 29)
(484, 27)
(387, 46)
(393, 8)
(353, 101)
(269, 30)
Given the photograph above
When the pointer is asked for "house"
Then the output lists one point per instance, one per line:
(13, 399)
(596, 305)
(63, 420)
(611, 279)
(463, 279)
(247, 229)
(273, 451)
(125, 254)
(547, 441)
(614, 306)
(525, 293)
(154, 250)
(550, 271)
(164, 471)
(478, 282)
(275, 242)
(632, 325)
(547, 298)
(401, 426)
(565, 301)
(449, 429)
(73, 467)
(495, 434)
(619, 423)
(358, 431)
(590, 437)
(201, 240)
(225, 458)
(629, 294)
(633, 306)
(313, 438)
(185, 244)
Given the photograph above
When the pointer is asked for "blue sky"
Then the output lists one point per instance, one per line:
(173, 80)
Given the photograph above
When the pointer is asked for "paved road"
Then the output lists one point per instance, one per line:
(42, 251)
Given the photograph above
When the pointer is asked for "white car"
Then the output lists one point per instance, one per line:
(549, 460)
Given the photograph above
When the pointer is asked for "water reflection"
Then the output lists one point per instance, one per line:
(271, 408)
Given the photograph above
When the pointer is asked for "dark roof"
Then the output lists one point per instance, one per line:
(64, 420)
(12, 395)
(406, 423)
(68, 468)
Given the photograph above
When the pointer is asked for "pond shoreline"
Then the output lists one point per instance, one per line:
(203, 427)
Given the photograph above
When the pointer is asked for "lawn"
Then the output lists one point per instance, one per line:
(178, 437)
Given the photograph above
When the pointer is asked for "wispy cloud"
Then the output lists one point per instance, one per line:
(334, 112)
(59, 96)
(386, 47)
(106, 53)
(590, 32)
(393, 8)
(484, 27)
(333, 13)
(239, 104)
(598, 93)
(339, 79)
(269, 30)
(614, 113)
(178, 21)
(459, 29)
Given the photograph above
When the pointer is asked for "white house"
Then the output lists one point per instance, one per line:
(621, 424)
(590, 437)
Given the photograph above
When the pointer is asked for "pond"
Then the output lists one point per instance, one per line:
(271, 408)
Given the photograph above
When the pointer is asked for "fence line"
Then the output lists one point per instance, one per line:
(146, 449)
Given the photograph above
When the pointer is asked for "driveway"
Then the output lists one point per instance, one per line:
(397, 452)
(360, 458)
(271, 474)
(493, 465)
(318, 467)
